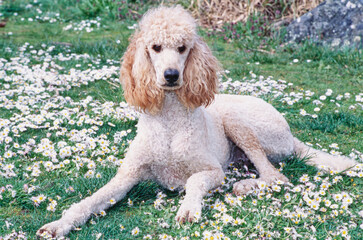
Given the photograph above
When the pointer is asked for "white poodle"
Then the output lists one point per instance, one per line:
(186, 132)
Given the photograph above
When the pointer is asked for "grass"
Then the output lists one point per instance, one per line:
(85, 119)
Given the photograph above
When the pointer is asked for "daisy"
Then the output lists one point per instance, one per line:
(303, 112)
(8, 154)
(304, 178)
(135, 231)
(287, 197)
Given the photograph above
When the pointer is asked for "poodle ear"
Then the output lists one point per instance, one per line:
(199, 77)
(138, 77)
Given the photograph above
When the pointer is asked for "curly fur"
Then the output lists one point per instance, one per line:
(200, 74)
(186, 133)
(142, 93)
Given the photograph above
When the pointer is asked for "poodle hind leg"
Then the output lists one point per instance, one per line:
(247, 141)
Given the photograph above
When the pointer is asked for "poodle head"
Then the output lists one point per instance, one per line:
(166, 54)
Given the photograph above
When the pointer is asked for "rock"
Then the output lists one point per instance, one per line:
(334, 22)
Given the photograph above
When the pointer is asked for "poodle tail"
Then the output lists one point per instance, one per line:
(320, 158)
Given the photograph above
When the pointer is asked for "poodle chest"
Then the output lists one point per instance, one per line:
(181, 146)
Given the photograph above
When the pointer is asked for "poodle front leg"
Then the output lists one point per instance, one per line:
(197, 187)
(79, 213)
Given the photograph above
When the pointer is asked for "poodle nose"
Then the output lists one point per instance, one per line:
(171, 75)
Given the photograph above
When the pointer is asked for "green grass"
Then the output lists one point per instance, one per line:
(337, 69)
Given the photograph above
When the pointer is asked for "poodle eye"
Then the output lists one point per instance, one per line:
(156, 48)
(181, 49)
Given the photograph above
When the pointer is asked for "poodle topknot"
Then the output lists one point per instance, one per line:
(170, 26)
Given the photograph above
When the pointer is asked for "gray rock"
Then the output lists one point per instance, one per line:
(334, 22)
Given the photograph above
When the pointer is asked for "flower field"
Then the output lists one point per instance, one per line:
(65, 127)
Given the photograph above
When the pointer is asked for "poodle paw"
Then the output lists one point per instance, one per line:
(189, 211)
(273, 177)
(56, 229)
(244, 186)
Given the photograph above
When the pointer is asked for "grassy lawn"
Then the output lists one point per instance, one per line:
(64, 129)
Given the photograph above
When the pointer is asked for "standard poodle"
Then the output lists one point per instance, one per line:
(187, 132)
